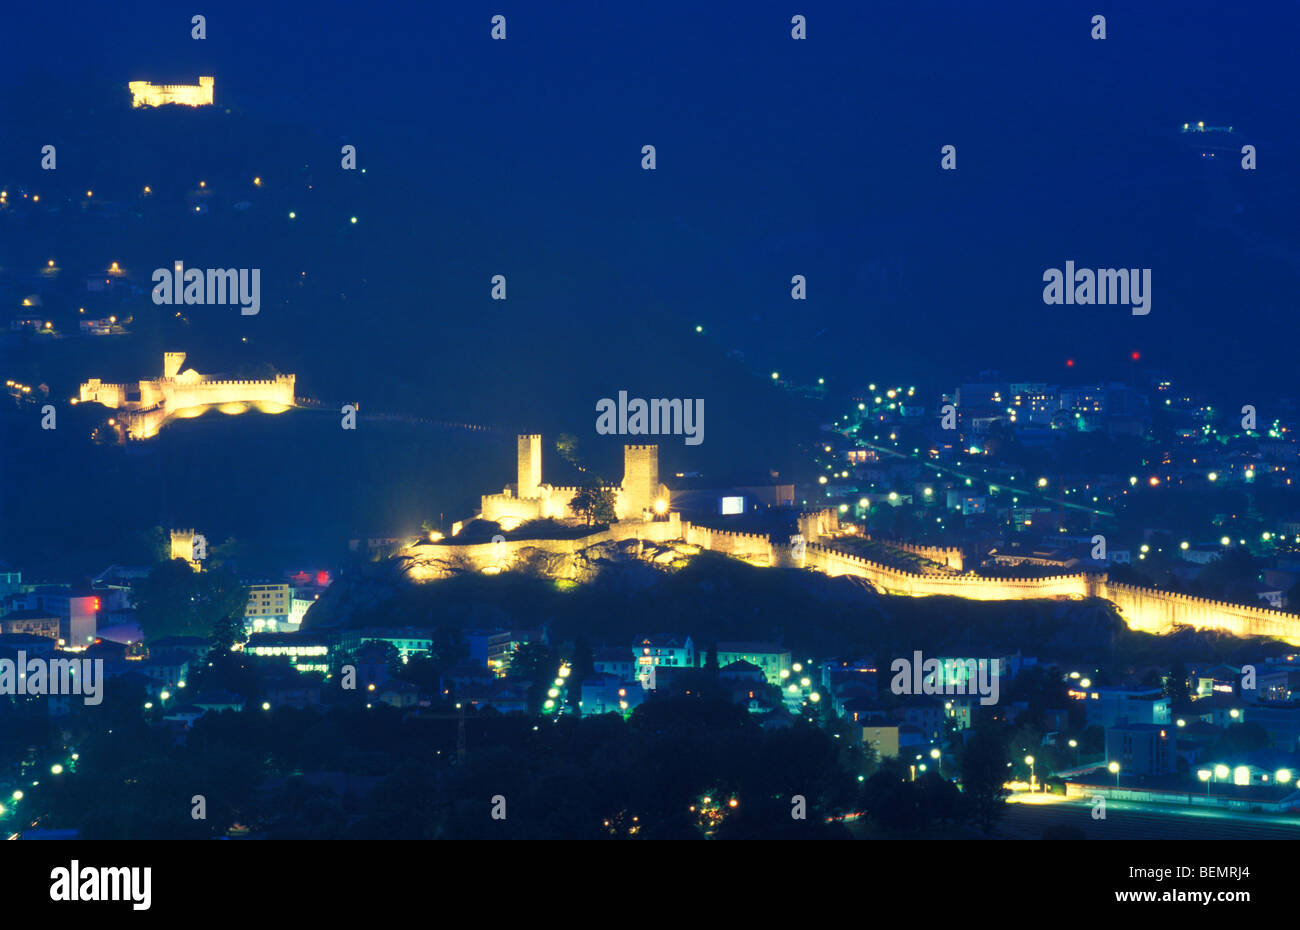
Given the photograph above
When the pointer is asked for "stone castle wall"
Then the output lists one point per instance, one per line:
(944, 555)
(1158, 611)
(163, 398)
(1142, 608)
(501, 556)
(748, 546)
(144, 94)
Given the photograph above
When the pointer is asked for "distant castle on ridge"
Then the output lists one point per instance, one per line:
(144, 94)
(147, 405)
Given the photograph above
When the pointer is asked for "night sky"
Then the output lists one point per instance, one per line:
(818, 157)
(775, 157)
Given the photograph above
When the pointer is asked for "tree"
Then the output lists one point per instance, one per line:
(536, 664)
(149, 546)
(583, 665)
(983, 773)
(595, 502)
(1293, 597)
(175, 600)
(228, 631)
(1176, 685)
(567, 446)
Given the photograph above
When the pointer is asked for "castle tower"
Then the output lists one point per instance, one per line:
(172, 362)
(640, 479)
(183, 545)
(530, 465)
(206, 87)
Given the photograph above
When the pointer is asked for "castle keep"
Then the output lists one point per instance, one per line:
(147, 405)
(639, 497)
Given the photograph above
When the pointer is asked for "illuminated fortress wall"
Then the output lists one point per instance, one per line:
(818, 523)
(186, 393)
(144, 94)
(752, 548)
(1146, 609)
(1158, 611)
(946, 556)
(433, 560)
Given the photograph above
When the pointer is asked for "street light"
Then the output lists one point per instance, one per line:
(1029, 761)
(1204, 775)
(1114, 768)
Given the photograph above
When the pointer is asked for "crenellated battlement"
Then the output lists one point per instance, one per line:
(1147, 609)
(161, 399)
(950, 556)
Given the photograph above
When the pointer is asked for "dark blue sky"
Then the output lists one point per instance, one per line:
(818, 157)
(775, 157)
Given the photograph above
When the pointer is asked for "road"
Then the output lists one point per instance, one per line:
(1126, 820)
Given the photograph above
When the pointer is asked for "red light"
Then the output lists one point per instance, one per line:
(1069, 363)
(1135, 356)
(322, 578)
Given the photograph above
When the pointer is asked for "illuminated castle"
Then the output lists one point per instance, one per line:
(147, 405)
(640, 496)
(653, 530)
(190, 546)
(144, 94)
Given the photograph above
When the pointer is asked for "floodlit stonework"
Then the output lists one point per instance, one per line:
(638, 497)
(144, 94)
(649, 529)
(147, 405)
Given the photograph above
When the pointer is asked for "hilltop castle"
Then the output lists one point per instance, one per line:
(649, 527)
(190, 546)
(147, 405)
(144, 94)
(640, 496)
